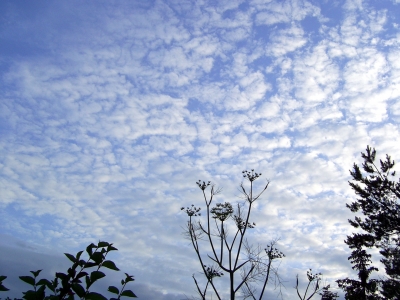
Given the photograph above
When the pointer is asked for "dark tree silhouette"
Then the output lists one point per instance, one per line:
(378, 200)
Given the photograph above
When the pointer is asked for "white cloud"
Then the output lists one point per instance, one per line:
(235, 35)
(377, 21)
(106, 129)
(316, 76)
(285, 41)
(366, 73)
(267, 110)
(273, 12)
(353, 5)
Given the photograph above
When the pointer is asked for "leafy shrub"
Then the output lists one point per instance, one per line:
(66, 285)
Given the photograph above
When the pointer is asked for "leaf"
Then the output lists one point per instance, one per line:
(76, 281)
(89, 249)
(75, 265)
(3, 288)
(113, 289)
(44, 282)
(81, 274)
(129, 278)
(47, 283)
(81, 263)
(62, 276)
(29, 295)
(128, 293)
(28, 279)
(90, 264)
(54, 283)
(71, 272)
(95, 275)
(36, 273)
(2, 278)
(40, 291)
(103, 244)
(111, 248)
(78, 255)
(88, 283)
(94, 296)
(97, 257)
(78, 289)
(110, 265)
(70, 257)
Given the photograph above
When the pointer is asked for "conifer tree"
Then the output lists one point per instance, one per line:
(378, 201)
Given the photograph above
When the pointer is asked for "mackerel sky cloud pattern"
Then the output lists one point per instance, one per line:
(110, 111)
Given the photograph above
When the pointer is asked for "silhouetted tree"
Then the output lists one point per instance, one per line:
(378, 200)
(363, 288)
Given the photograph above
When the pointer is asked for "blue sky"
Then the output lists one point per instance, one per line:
(110, 111)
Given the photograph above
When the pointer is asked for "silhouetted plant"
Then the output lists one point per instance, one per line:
(326, 294)
(379, 203)
(231, 255)
(66, 285)
(314, 288)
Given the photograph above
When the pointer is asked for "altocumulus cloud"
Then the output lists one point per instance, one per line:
(111, 111)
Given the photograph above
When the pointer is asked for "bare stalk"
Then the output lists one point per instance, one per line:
(256, 267)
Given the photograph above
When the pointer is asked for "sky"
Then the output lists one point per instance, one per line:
(110, 111)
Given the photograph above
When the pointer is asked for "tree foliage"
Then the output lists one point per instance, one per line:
(66, 285)
(378, 201)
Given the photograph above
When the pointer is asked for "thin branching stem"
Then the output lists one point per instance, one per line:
(266, 278)
(231, 248)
